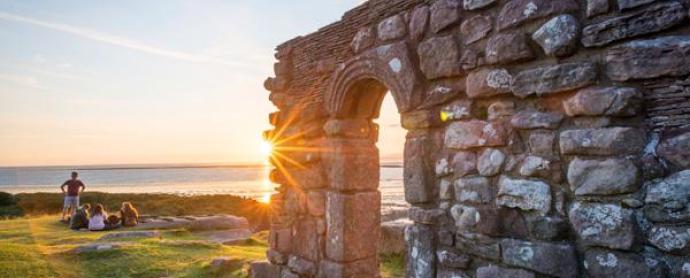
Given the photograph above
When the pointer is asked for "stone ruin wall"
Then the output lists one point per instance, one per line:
(545, 139)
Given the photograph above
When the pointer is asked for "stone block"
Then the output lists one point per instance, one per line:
(552, 259)
(446, 238)
(276, 257)
(676, 149)
(471, 58)
(445, 191)
(418, 169)
(490, 162)
(475, 28)
(554, 79)
(602, 141)
(667, 199)
(392, 28)
(492, 271)
(419, 19)
(475, 133)
(602, 263)
(350, 128)
(353, 225)
(607, 177)
(393, 237)
(597, 7)
(642, 59)
(457, 110)
(264, 269)
(591, 122)
(542, 143)
(478, 245)
(451, 273)
(501, 222)
(280, 240)
(672, 239)
(473, 190)
(295, 202)
(452, 259)
(500, 109)
(628, 4)
(600, 101)
(465, 217)
(488, 82)
(421, 257)
(421, 119)
(305, 232)
(365, 38)
(439, 56)
(546, 228)
(464, 164)
(518, 12)
(535, 166)
(441, 92)
(302, 266)
(604, 225)
(524, 194)
(476, 4)
(286, 273)
(425, 216)
(507, 48)
(444, 13)
(316, 203)
(351, 164)
(442, 167)
(536, 120)
(652, 19)
(558, 36)
(363, 268)
(311, 177)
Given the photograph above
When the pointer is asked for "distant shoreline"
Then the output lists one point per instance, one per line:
(154, 166)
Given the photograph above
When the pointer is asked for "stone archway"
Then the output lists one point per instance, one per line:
(532, 127)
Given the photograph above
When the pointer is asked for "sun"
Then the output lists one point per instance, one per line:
(266, 198)
(266, 148)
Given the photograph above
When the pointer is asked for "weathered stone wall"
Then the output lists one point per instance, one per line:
(546, 139)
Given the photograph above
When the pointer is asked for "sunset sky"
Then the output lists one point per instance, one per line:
(118, 82)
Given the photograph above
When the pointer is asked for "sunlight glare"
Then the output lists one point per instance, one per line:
(266, 198)
(266, 148)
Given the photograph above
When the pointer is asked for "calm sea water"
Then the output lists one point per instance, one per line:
(248, 181)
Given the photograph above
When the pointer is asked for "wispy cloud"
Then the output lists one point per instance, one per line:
(22, 80)
(118, 40)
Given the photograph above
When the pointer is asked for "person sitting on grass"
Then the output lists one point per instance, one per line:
(80, 218)
(71, 203)
(98, 218)
(112, 222)
(130, 215)
(100, 221)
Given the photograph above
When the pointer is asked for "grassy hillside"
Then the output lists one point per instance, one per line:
(34, 204)
(42, 247)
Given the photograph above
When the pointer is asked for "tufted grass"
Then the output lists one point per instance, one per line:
(41, 247)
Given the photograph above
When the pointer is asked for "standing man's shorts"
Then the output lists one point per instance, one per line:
(71, 201)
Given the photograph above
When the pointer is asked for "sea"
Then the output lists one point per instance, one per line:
(250, 181)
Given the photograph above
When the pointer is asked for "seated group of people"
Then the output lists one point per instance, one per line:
(97, 219)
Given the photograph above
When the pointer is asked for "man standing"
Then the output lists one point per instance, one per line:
(74, 187)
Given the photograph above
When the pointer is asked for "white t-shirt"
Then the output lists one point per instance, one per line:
(97, 222)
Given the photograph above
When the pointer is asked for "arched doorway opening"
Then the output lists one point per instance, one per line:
(352, 163)
(353, 166)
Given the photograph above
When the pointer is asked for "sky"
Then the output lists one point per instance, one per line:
(158, 81)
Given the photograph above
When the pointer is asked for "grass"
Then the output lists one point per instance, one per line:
(36, 204)
(42, 247)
